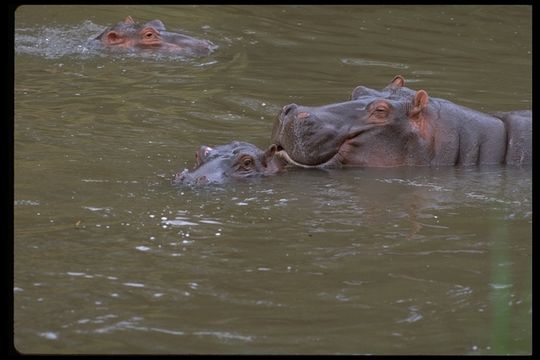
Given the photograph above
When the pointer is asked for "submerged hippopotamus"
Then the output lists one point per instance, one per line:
(236, 160)
(399, 126)
(152, 35)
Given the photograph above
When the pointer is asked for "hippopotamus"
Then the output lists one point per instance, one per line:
(128, 34)
(398, 126)
(236, 160)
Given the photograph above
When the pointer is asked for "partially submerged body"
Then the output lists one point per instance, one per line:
(237, 160)
(152, 36)
(399, 126)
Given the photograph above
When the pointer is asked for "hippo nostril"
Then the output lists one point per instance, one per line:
(178, 178)
(201, 180)
(287, 108)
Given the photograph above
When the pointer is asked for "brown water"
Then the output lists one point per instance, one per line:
(109, 258)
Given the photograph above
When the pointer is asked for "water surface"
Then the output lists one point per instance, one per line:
(109, 258)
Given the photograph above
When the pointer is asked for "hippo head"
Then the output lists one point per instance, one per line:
(374, 128)
(237, 160)
(152, 35)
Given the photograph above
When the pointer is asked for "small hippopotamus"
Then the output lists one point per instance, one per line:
(399, 126)
(128, 34)
(236, 160)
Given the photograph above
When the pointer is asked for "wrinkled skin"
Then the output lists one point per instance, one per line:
(152, 36)
(399, 126)
(237, 160)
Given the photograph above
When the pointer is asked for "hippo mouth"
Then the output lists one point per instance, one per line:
(282, 153)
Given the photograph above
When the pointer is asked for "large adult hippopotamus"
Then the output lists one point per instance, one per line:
(399, 126)
(236, 160)
(128, 34)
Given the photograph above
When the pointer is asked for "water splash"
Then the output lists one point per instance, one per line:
(79, 41)
(57, 42)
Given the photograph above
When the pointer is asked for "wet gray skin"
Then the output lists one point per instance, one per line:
(223, 163)
(399, 126)
(152, 36)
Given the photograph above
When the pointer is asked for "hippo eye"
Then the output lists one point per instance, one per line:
(379, 112)
(149, 33)
(246, 163)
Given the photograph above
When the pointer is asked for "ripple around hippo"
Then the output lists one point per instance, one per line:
(80, 41)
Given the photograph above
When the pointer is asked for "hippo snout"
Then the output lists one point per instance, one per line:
(201, 180)
(291, 121)
(186, 178)
(292, 113)
(283, 118)
(179, 177)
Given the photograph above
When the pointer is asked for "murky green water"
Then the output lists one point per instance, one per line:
(109, 258)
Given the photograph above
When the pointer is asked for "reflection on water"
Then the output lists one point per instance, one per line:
(110, 258)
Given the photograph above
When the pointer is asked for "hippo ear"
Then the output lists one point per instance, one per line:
(420, 102)
(416, 113)
(128, 20)
(156, 24)
(268, 155)
(397, 82)
(112, 38)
